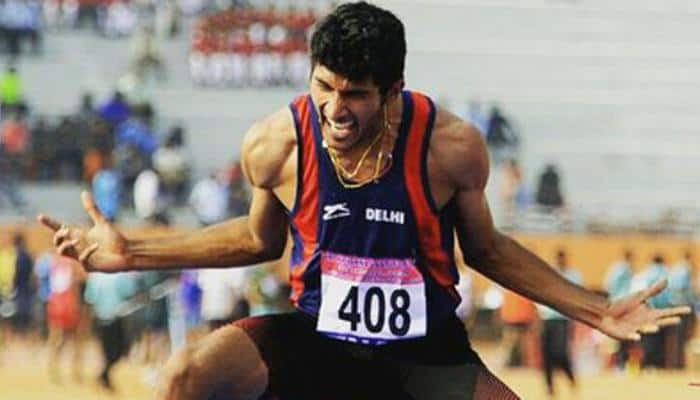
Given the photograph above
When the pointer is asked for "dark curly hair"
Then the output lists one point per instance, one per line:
(359, 41)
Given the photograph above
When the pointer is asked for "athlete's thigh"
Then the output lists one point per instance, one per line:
(228, 362)
(282, 342)
(453, 382)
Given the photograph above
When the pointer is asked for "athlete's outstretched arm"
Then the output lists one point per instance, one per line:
(257, 237)
(251, 239)
(505, 261)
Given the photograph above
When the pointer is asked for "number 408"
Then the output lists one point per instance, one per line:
(399, 320)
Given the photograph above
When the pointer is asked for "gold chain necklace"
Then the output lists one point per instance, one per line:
(343, 174)
(338, 165)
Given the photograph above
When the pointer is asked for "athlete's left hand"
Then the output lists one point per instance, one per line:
(629, 317)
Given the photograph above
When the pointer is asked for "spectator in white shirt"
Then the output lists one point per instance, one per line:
(209, 200)
(223, 299)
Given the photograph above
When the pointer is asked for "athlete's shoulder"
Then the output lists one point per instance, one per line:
(267, 146)
(460, 151)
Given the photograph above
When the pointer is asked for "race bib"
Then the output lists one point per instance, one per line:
(371, 301)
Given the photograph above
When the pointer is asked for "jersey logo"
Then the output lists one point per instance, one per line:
(379, 215)
(333, 211)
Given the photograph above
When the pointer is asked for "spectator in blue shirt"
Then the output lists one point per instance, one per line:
(618, 284)
(653, 344)
(108, 294)
(680, 285)
(115, 110)
(107, 189)
(557, 331)
(618, 279)
(24, 290)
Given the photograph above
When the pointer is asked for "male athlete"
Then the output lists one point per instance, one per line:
(372, 182)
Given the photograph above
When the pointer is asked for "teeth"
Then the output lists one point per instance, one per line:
(339, 126)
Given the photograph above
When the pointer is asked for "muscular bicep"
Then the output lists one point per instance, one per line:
(267, 150)
(462, 157)
(267, 219)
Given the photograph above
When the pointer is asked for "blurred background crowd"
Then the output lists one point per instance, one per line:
(247, 47)
(49, 299)
(144, 102)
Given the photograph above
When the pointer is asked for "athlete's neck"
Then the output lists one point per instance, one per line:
(352, 154)
(371, 157)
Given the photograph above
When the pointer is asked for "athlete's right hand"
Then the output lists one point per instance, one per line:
(100, 248)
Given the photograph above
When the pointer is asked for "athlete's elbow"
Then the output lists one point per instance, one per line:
(268, 249)
(486, 253)
(272, 252)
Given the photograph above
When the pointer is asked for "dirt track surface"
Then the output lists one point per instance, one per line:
(23, 376)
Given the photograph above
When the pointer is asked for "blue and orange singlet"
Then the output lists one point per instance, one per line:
(376, 263)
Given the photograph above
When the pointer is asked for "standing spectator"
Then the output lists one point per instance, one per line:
(680, 280)
(680, 286)
(8, 183)
(136, 132)
(209, 200)
(148, 198)
(107, 190)
(500, 133)
(8, 262)
(549, 195)
(42, 272)
(7, 276)
(173, 166)
(557, 331)
(14, 138)
(619, 276)
(107, 293)
(129, 163)
(518, 315)
(23, 285)
(63, 311)
(618, 284)
(223, 295)
(157, 285)
(86, 109)
(477, 117)
(43, 149)
(93, 162)
(146, 55)
(94, 144)
(115, 110)
(191, 297)
(653, 344)
(99, 136)
(11, 92)
(68, 148)
(514, 193)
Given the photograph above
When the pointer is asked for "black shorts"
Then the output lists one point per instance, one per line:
(305, 365)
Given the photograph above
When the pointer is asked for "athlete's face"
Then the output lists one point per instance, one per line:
(349, 111)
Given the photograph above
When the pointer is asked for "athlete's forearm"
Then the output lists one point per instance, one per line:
(227, 244)
(518, 269)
